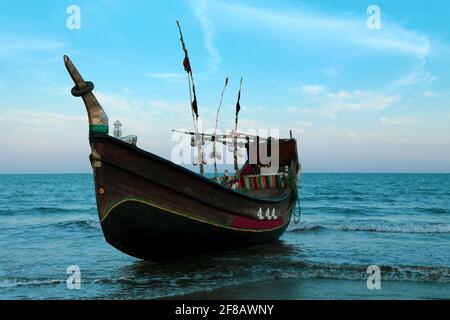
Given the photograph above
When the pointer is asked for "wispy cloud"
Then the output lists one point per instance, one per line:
(39, 118)
(168, 76)
(127, 90)
(346, 29)
(201, 11)
(144, 117)
(436, 94)
(418, 75)
(13, 44)
(114, 102)
(331, 102)
(313, 89)
(359, 100)
(396, 121)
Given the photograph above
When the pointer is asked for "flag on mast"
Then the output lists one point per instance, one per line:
(238, 105)
(188, 69)
(194, 102)
(186, 62)
(235, 151)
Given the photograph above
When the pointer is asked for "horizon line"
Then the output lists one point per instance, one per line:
(308, 172)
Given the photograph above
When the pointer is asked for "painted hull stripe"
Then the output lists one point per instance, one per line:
(99, 128)
(184, 215)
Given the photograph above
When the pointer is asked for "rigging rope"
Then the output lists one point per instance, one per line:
(296, 186)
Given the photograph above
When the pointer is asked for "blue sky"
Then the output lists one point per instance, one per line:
(358, 100)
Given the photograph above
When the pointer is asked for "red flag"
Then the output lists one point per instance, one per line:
(187, 64)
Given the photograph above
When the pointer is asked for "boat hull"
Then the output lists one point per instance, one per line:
(145, 231)
(152, 208)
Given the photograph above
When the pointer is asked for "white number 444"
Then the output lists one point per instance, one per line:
(268, 215)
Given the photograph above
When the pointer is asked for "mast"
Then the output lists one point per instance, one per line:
(215, 130)
(235, 151)
(193, 101)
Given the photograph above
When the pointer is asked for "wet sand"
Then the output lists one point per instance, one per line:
(318, 289)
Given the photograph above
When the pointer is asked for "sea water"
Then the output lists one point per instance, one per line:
(398, 222)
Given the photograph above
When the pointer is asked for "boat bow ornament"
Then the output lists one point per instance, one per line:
(98, 120)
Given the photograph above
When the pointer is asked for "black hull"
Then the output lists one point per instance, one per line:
(151, 233)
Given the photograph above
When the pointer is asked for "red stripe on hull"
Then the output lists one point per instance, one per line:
(247, 223)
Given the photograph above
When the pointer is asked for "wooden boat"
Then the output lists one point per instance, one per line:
(150, 207)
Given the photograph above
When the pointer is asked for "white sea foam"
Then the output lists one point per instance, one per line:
(12, 283)
(375, 227)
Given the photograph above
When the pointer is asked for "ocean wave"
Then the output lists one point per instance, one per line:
(158, 285)
(340, 210)
(287, 270)
(66, 224)
(45, 210)
(304, 227)
(23, 282)
(83, 223)
(308, 270)
(374, 209)
(433, 210)
(80, 223)
(62, 209)
(422, 228)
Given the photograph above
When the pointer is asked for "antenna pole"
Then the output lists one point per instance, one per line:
(215, 129)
